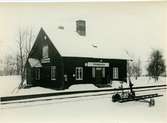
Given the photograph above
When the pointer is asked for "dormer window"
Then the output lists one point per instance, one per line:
(81, 27)
(45, 53)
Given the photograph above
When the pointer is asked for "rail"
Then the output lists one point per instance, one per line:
(32, 96)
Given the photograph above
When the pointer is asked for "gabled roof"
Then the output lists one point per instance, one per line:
(69, 43)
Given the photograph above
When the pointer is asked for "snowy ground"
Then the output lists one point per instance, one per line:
(99, 109)
(85, 110)
(8, 85)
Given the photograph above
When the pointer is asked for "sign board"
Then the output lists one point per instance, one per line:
(97, 64)
(46, 60)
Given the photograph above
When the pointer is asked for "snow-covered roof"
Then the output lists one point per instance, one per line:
(69, 43)
(34, 62)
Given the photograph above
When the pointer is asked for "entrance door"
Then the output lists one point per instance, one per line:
(98, 75)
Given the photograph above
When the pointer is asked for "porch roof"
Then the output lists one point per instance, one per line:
(34, 62)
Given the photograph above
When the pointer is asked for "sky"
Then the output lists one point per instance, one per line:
(136, 27)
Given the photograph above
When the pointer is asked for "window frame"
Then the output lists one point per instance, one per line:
(93, 72)
(115, 73)
(45, 52)
(81, 27)
(79, 73)
(37, 74)
(53, 73)
(103, 72)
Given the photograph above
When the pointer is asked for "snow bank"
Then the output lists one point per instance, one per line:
(82, 87)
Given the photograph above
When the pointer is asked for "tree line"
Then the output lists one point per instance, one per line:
(156, 66)
(13, 64)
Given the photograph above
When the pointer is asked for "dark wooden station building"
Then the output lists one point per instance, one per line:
(68, 57)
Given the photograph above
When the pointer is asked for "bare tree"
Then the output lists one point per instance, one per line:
(136, 68)
(133, 67)
(9, 65)
(129, 69)
(1, 67)
(20, 44)
(129, 65)
(29, 37)
(24, 43)
(17, 64)
(156, 65)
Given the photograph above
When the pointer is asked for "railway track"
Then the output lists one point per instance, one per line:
(71, 94)
(71, 97)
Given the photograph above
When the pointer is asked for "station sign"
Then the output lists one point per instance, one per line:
(97, 64)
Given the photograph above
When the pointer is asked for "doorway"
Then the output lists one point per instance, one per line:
(98, 73)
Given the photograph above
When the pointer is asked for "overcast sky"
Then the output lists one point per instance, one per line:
(136, 27)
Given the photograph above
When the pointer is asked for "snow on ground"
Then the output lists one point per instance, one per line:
(141, 81)
(93, 109)
(8, 85)
(85, 110)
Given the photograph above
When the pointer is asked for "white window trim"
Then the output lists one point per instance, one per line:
(115, 73)
(79, 73)
(53, 71)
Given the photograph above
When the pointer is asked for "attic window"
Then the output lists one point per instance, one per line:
(81, 27)
(45, 52)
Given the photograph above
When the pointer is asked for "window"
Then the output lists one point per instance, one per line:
(26, 72)
(45, 51)
(79, 73)
(103, 72)
(115, 73)
(53, 72)
(37, 74)
(93, 72)
(81, 27)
